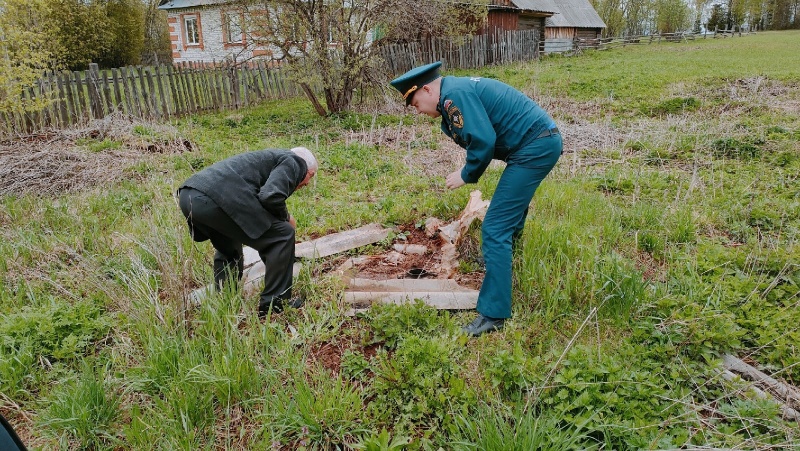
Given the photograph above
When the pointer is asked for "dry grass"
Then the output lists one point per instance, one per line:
(53, 162)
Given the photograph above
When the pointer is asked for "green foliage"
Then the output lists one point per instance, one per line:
(25, 54)
(84, 409)
(381, 442)
(320, 413)
(391, 323)
(509, 371)
(55, 329)
(78, 32)
(615, 185)
(125, 19)
(739, 149)
(676, 105)
(354, 365)
(497, 428)
(418, 384)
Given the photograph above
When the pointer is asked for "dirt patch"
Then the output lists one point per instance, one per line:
(395, 264)
(61, 161)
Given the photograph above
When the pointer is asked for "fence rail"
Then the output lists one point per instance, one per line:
(610, 43)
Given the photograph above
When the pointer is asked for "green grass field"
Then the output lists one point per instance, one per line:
(666, 237)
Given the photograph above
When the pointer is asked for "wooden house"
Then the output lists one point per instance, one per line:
(511, 15)
(576, 20)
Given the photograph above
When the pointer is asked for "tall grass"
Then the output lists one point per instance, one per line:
(666, 236)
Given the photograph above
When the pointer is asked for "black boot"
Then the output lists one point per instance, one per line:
(277, 304)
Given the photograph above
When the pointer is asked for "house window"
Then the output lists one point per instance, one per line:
(234, 33)
(192, 30)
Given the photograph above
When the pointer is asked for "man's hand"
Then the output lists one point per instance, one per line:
(292, 221)
(454, 180)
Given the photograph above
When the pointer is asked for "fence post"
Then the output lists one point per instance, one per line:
(93, 88)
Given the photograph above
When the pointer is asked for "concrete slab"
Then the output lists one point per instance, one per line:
(342, 241)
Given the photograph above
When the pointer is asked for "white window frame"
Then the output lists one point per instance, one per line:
(233, 23)
(191, 22)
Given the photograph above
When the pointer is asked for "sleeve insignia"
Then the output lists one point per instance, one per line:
(447, 104)
(456, 118)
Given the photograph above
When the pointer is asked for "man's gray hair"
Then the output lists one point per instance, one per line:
(306, 155)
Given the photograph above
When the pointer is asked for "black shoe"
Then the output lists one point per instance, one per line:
(483, 324)
(277, 305)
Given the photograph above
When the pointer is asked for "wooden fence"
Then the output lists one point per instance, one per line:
(467, 53)
(610, 43)
(165, 92)
(154, 92)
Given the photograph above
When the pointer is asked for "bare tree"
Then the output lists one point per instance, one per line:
(329, 46)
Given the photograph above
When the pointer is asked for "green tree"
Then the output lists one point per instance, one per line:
(638, 17)
(125, 19)
(78, 32)
(157, 47)
(672, 16)
(717, 18)
(24, 54)
(613, 14)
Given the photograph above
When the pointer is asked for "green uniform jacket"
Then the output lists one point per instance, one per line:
(489, 119)
(246, 185)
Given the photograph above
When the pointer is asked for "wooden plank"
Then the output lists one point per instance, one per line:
(153, 95)
(29, 116)
(252, 277)
(147, 108)
(107, 94)
(136, 99)
(62, 101)
(172, 81)
(189, 84)
(785, 392)
(123, 72)
(258, 77)
(93, 91)
(184, 83)
(164, 110)
(342, 241)
(212, 87)
(80, 107)
(47, 91)
(251, 283)
(115, 77)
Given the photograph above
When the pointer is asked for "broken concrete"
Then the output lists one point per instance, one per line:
(342, 241)
(438, 293)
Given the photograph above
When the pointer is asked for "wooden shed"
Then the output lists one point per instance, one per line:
(508, 15)
(576, 19)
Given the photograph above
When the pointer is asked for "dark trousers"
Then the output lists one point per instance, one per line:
(207, 221)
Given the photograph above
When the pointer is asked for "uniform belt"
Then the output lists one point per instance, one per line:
(548, 132)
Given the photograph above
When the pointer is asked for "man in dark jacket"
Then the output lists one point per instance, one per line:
(242, 200)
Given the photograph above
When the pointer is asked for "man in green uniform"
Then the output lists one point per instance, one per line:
(242, 200)
(491, 120)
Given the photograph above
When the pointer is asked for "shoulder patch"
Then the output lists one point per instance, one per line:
(456, 118)
(447, 104)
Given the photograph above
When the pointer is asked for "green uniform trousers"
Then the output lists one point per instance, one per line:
(505, 219)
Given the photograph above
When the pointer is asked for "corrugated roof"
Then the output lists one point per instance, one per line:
(575, 13)
(546, 6)
(175, 4)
